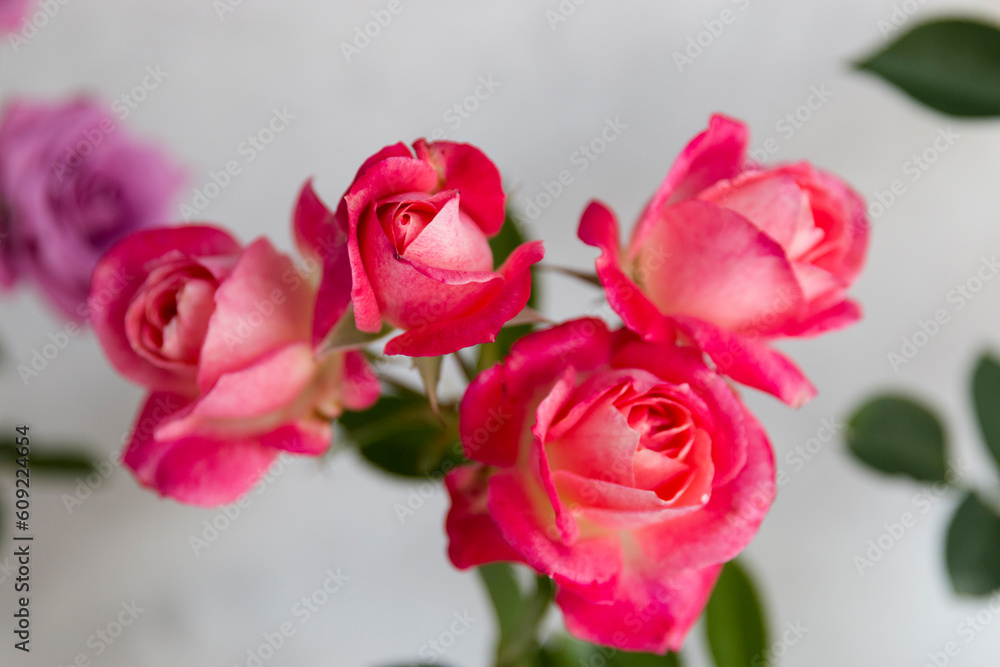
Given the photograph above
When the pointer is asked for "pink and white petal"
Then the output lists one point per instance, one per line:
(717, 153)
(750, 362)
(195, 470)
(526, 520)
(473, 537)
(308, 436)
(389, 176)
(482, 325)
(841, 315)
(278, 389)
(122, 271)
(451, 239)
(647, 615)
(412, 294)
(774, 203)
(599, 228)
(361, 388)
(717, 407)
(720, 530)
(322, 236)
(232, 343)
(711, 263)
(465, 168)
(209, 472)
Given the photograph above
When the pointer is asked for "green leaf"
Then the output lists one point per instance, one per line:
(986, 396)
(973, 548)
(504, 593)
(897, 435)
(950, 65)
(502, 245)
(566, 651)
(518, 614)
(55, 459)
(402, 436)
(734, 619)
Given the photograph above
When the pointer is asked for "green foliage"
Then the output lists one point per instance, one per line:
(950, 65)
(734, 619)
(973, 548)
(897, 435)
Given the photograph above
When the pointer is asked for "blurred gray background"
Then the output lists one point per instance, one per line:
(555, 85)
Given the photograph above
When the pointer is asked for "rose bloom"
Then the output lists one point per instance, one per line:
(12, 14)
(732, 255)
(626, 470)
(72, 183)
(414, 231)
(222, 336)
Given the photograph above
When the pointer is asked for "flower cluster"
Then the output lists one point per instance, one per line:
(620, 463)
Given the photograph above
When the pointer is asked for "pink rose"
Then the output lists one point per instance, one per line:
(12, 14)
(222, 335)
(414, 232)
(72, 183)
(732, 255)
(626, 470)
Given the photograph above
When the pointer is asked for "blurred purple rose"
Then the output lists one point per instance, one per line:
(12, 14)
(72, 183)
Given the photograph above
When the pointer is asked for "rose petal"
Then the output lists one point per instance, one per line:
(717, 153)
(648, 614)
(692, 240)
(473, 538)
(256, 312)
(599, 228)
(750, 362)
(119, 276)
(465, 168)
(196, 470)
(482, 325)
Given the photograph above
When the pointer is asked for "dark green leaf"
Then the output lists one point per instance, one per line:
(986, 396)
(896, 435)
(519, 614)
(949, 65)
(402, 435)
(973, 549)
(502, 245)
(58, 459)
(504, 593)
(565, 651)
(734, 620)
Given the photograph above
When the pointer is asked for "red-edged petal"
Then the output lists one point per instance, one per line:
(482, 325)
(599, 228)
(322, 236)
(473, 538)
(465, 168)
(750, 362)
(836, 317)
(196, 470)
(392, 175)
(716, 154)
(526, 519)
(651, 615)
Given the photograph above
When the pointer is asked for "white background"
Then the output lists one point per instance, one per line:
(610, 59)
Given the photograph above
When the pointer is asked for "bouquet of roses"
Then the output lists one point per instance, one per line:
(617, 461)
